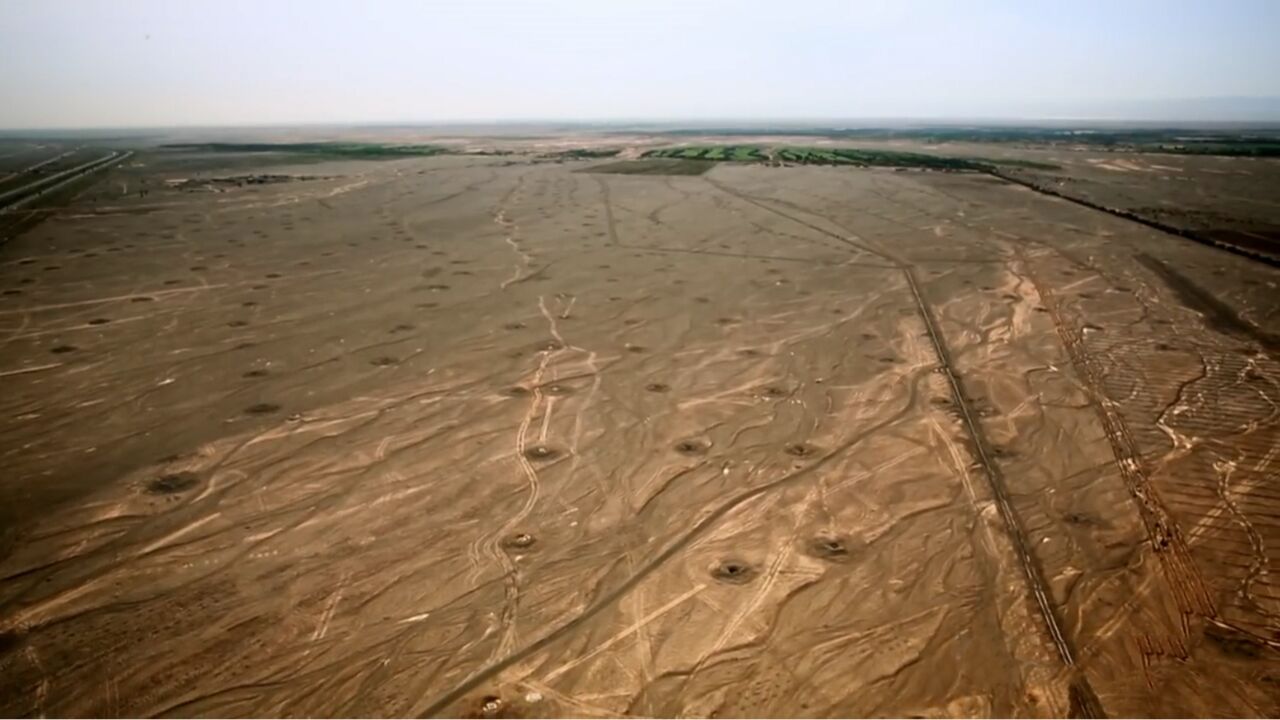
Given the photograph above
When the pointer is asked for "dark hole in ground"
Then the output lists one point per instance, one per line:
(173, 483)
(1079, 518)
(520, 541)
(799, 449)
(692, 447)
(736, 572)
(829, 547)
(541, 452)
(9, 640)
(491, 706)
(261, 409)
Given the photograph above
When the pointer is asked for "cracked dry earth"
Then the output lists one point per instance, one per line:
(455, 436)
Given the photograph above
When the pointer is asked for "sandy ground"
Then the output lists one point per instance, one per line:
(483, 436)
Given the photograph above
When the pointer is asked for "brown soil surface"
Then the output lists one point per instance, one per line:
(494, 437)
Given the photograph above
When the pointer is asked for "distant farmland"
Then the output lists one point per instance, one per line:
(834, 156)
(1175, 141)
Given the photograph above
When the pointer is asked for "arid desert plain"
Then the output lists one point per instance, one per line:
(517, 431)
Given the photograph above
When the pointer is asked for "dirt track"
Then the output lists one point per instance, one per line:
(467, 436)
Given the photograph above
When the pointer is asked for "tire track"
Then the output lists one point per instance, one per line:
(657, 561)
(1085, 702)
(1166, 537)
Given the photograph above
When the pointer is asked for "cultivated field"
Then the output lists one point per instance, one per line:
(542, 433)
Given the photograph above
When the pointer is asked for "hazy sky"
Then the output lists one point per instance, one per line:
(101, 63)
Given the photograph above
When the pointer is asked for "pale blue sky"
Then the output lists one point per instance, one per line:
(104, 63)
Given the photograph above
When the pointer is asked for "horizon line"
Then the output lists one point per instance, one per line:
(743, 122)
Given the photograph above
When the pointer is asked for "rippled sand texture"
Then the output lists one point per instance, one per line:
(474, 436)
